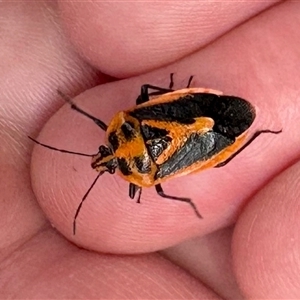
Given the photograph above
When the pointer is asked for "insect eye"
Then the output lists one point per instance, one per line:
(111, 171)
(102, 149)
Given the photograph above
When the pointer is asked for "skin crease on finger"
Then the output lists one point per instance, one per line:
(138, 29)
(105, 224)
(271, 83)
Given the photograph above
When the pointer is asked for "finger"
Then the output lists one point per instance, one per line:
(266, 242)
(134, 37)
(48, 265)
(109, 221)
(35, 61)
(208, 258)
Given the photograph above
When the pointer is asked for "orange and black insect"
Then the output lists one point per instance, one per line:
(170, 133)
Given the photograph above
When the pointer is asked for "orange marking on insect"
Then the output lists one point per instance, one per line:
(170, 134)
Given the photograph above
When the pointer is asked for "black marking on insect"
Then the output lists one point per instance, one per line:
(169, 134)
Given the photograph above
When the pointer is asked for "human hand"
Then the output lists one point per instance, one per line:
(256, 60)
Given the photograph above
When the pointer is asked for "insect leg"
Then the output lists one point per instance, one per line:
(133, 188)
(144, 96)
(190, 81)
(161, 193)
(172, 81)
(98, 122)
(255, 135)
(171, 84)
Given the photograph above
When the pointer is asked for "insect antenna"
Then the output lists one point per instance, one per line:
(83, 199)
(69, 100)
(61, 150)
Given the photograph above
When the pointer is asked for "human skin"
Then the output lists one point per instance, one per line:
(160, 249)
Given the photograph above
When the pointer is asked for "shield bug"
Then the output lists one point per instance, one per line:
(170, 133)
